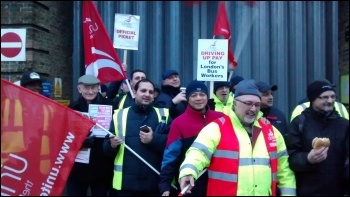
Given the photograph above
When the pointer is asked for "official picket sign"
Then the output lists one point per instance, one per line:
(212, 60)
(126, 31)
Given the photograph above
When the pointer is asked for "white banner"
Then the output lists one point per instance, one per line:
(212, 60)
(126, 31)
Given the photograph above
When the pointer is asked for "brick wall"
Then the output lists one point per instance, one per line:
(48, 40)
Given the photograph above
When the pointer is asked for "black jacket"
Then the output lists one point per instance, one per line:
(100, 167)
(164, 100)
(326, 177)
(137, 176)
(277, 119)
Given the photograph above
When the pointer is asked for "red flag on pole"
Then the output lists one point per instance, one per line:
(222, 28)
(40, 139)
(101, 59)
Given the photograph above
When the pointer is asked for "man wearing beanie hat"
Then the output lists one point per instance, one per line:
(222, 100)
(234, 81)
(183, 131)
(171, 96)
(97, 173)
(223, 144)
(308, 163)
(32, 81)
(313, 91)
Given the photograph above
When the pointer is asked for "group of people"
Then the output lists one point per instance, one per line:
(236, 143)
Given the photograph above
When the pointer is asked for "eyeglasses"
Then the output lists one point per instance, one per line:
(325, 98)
(249, 104)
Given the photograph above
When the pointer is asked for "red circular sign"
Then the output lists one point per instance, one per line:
(11, 44)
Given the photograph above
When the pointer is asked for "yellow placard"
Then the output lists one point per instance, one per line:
(64, 102)
(344, 89)
(58, 87)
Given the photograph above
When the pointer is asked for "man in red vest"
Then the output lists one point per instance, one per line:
(243, 155)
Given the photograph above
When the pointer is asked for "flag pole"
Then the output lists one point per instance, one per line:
(133, 152)
(187, 186)
(211, 85)
(125, 57)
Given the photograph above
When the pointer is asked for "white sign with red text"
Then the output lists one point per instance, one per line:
(102, 115)
(212, 60)
(126, 31)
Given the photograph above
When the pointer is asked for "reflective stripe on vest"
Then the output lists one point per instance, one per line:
(339, 108)
(224, 165)
(122, 101)
(119, 119)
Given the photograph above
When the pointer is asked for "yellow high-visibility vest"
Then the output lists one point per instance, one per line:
(339, 107)
(119, 119)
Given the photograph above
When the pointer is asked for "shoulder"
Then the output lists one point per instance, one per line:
(212, 114)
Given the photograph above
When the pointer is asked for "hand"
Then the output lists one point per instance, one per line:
(184, 181)
(146, 138)
(166, 193)
(125, 67)
(265, 120)
(316, 156)
(179, 97)
(115, 141)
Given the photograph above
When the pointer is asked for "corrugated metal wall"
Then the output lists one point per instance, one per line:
(284, 43)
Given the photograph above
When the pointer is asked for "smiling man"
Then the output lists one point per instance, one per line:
(183, 132)
(243, 155)
(132, 177)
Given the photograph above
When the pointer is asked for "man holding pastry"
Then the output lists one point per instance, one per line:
(318, 145)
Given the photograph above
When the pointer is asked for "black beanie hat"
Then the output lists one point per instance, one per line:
(316, 88)
(196, 86)
(218, 84)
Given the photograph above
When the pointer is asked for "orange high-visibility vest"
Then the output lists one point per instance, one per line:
(224, 165)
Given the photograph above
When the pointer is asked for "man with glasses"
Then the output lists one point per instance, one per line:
(319, 172)
(339, 107)
(243, 155)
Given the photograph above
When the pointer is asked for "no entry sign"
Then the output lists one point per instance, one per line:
(13, 44)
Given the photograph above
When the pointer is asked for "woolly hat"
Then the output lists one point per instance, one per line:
(196, 86)
(316, 88)
(247, 87)
(218, 84)
(235, 80)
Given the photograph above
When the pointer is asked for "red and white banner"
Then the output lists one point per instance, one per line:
(222, 28)
(101, 59)
(40, 139)
(126, 31)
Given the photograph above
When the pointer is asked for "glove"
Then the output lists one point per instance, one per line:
(89, 141)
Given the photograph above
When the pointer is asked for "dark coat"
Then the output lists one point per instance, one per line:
(100, 167)
(137, 176)
(277, 119)
(164, 100)
(326, 177)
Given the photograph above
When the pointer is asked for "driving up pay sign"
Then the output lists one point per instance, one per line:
(212, 60)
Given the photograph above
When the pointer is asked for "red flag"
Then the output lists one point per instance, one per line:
(222, 28)
(101, 59)
(40, 139)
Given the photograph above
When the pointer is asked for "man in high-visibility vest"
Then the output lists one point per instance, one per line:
(222, 100)
(319, 170)
(133, 175)
(243, 155)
